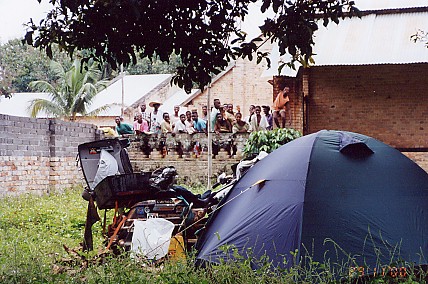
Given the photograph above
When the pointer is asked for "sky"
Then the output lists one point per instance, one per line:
(14, 13)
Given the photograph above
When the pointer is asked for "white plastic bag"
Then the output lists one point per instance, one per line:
(151, 238)
(107, 166)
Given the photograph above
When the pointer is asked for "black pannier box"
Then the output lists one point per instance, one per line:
(125, 187)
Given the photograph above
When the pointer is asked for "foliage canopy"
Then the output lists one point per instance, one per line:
(20, 64)
(269, 140)
(420, 36)
(204, 34)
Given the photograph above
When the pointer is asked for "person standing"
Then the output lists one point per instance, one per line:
(189, 122)
(166, 126)
(222, 125)
(156, 117)
(247, 119)
(240, 126)
(229, 114)
(281, 107)
(230, 109)
(176, 116)
(140, 125)
(205, 113)
(199, 125)
(269, 117)
(180, 126)
(214, 111)
(144, 114)
(258, 121)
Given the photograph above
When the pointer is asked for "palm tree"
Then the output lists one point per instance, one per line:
(71, 94)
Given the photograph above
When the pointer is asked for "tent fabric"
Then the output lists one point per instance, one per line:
(352, 145)
(368, 202)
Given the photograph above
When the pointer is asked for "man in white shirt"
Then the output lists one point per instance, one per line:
(176, 116)
(180, 126)
(156, 117)
(144, 114)
(258, 121)
(247, 119)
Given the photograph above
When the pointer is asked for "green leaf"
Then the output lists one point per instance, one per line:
(268, 140)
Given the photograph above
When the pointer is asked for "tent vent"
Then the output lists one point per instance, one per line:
(353, 147)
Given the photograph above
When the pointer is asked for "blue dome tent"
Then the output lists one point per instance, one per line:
(363, 195)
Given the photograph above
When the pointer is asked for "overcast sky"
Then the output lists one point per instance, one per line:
(14, 13)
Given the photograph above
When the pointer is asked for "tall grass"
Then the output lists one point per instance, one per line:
(34, 230)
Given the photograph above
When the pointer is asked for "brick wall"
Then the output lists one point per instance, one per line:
(192, 169)
(420, 158)
(38, 155)
(243, 86)
(296, 98)
(387, 102)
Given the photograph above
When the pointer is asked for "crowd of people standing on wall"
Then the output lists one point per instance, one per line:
(221, 118)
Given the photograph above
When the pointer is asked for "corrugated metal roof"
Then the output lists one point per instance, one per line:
(372, 39)
(177, 99)
(135, 87)
(18, 104)
(388, 4)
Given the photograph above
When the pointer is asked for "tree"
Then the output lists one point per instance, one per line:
(72, 93)
(200, 32)
(5, 83)
(420, 36)
(153, 66)
(20, 64)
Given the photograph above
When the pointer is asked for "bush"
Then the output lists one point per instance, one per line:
(269, 140)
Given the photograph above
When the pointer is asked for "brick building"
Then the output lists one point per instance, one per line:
(376, 89)
(368, 77)
(371, 81)
(243, 84)
(388, 102)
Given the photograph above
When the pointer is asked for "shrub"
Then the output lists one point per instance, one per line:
(269, 140)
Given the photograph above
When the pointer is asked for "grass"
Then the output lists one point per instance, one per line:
(34, 230)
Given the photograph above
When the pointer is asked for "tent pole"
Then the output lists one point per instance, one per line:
(209, 130)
